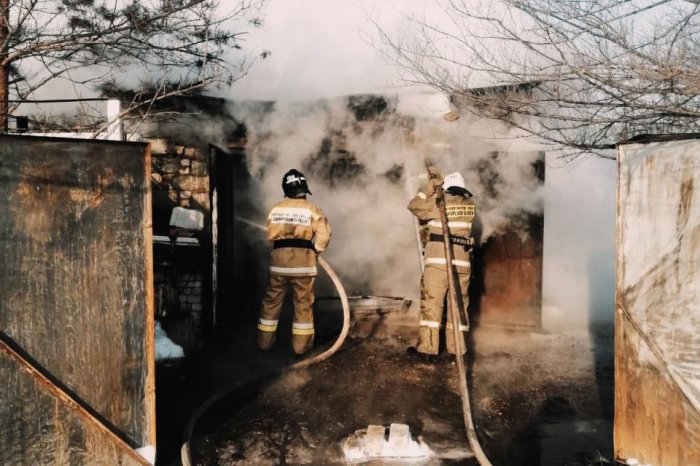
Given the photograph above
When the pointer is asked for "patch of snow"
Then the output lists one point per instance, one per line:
(165, 347)
(187, 241)
(148, 452)
(366, 444)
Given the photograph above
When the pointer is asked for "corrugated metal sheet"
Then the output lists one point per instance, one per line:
(657, 391)
(76, 280)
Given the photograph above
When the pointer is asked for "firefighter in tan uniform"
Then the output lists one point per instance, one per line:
(299, 232)
(434, 285)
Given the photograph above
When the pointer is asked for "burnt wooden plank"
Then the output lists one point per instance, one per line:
(75, 277)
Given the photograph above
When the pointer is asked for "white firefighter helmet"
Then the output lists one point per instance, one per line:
(454, 184)
(454, 179)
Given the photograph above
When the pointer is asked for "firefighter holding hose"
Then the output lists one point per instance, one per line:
(299, 231)
(461, 211)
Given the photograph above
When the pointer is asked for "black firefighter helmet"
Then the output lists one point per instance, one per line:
(294, 184)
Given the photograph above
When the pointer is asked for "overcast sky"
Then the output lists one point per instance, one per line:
(319, 49)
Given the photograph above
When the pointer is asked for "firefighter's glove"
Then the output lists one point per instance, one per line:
(434, 172)
(434, 178)
(432, 185)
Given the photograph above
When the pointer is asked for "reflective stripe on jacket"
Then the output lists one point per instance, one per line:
(297, 219)
(460, 215)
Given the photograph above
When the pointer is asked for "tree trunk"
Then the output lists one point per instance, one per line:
(4, 67)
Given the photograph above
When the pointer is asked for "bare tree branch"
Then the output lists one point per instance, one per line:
(187, 42)
(604, 70)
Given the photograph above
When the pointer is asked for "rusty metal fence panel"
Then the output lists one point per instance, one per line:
(76, 283)
(43, 424)
(657, 365)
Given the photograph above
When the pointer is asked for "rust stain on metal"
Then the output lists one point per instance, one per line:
(77, 271)
(686, 200)
(657, 366)
(149, 311)
(78, 437)
(512, 282)
(649, 409)
(34, 202)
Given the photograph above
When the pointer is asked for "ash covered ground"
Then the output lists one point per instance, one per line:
(538, 398)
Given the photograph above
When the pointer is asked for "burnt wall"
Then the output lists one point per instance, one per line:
(180, 178)
(506, 287)
(182, 259)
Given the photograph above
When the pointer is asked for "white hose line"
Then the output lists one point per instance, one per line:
(185, 453)
(343, 300)
(346, 320)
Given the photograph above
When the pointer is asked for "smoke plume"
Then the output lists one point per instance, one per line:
(364, 159)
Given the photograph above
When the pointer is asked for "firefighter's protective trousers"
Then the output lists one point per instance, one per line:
(433, 290)
(303, 325)
(292, 224)
(434, 284)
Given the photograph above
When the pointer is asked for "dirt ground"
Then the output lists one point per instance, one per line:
(538, 399)
(544, 398)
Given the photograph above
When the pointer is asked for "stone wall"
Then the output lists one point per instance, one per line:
(180, 178)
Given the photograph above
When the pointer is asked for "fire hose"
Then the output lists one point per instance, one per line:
(343, 300)
(456, 329)
(185, 450)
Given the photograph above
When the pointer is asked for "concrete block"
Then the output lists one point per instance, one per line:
(170, 165)
(192, 183)
(374, 440)
(202, 200)
(399, 436)
(187, 218)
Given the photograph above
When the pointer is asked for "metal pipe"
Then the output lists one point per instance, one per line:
(456, 330)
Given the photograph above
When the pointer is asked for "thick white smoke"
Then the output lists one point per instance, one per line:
(579, 242)
(317, 53)
(374, 242)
